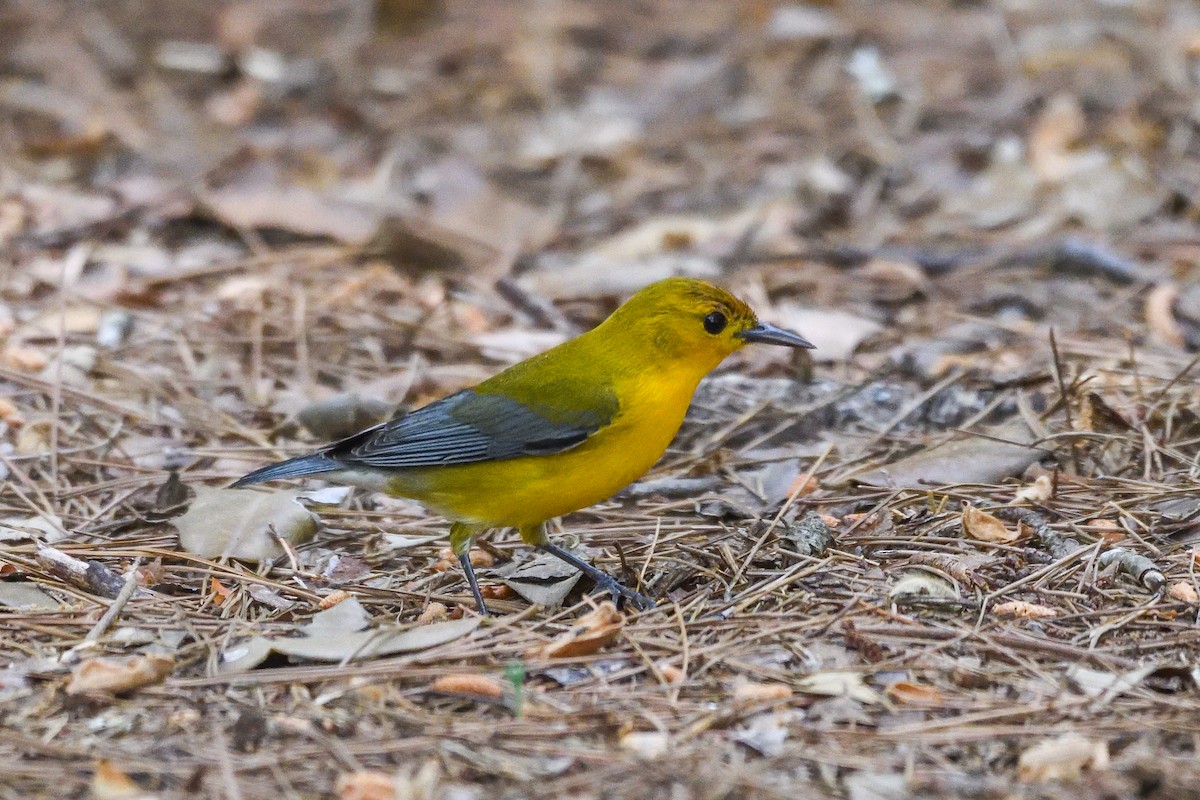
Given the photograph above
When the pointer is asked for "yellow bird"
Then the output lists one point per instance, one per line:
(555, 433)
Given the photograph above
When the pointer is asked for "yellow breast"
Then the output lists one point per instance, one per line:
(522, 492)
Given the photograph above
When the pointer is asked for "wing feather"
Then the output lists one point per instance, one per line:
(469, 427)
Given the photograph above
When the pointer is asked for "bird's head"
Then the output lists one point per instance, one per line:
(691, 320)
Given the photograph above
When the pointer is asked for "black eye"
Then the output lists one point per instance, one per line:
(715, 322)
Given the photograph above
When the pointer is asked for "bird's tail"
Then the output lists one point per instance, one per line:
(292, 468)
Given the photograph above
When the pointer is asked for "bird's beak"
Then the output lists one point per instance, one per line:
(763, 333)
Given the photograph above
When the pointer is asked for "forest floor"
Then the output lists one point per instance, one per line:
(951, 552)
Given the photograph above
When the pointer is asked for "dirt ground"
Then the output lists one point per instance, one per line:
(951, 552)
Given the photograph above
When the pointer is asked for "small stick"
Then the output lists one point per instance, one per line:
(117, 605)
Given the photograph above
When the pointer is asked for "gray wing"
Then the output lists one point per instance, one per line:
(464, 428)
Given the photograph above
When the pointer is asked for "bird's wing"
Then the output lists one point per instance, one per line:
(469, 427)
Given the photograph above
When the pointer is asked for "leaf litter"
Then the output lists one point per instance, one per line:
(226, 239)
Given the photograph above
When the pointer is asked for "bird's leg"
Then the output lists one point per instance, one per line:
(604, 581)
(461, 535)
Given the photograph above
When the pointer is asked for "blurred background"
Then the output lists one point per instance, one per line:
(231, 230)
(525, 136)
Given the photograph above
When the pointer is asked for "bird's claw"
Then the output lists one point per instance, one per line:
(620, 593)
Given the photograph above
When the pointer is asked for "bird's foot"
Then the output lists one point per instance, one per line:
(621, 593)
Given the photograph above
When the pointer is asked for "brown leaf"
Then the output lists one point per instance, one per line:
(1022, 609)
(1041, 490)
(333, 598)
(589, 633)
(109, 782)
(1160, 314)
(914, 694)
(1062, 759)
(366, 785)
(110, 676)
(647, 745)
(747, 693)
(1184, 592)
(470, 684)
(434, 612)
(986, 527)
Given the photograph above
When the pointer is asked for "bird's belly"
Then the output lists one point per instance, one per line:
(526, 491)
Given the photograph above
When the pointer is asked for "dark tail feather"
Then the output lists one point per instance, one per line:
(292, 468)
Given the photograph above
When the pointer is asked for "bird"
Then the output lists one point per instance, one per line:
(558, 432)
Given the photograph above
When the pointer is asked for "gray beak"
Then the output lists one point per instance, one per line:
(762, 333)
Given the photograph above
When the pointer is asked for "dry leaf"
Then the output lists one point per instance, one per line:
(914, 694)
(220, 591)
(1160, 314)
(838, 684)
(985, 527)
(110, 676)
(747, 693)
(434, 612)
(366, 785)
(243, 524)
(333, 598)
(466, 683)
(920, 582)
(9, 413)
(337, 638)
(1039, 491)
(671, 673)
(25, 358)
(1183, 592)
(1062, 759)
(1109, 530)
(1055, 130)
(1022, 609)
(109, 782)
(589, 633)
(646, 744)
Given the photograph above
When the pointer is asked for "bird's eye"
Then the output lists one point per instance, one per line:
(715, 322)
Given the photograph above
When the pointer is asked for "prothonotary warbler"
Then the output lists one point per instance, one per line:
(556, 433)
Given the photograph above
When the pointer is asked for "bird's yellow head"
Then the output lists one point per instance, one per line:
(684, 319)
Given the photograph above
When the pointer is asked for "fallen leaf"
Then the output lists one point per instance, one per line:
(1041, 490)
(25, 595)
(297, 209)
(985, 527)
(44, 528)
(1183, 592)
(366, 785)
(838, 684)
(327, 643)
(434, 612)
(1024, 610)
(544, 580)
(220, 591)
(9, 414)
(747, 693)
(237, 523)
(111, 676)
(1062, 759)
(766, 734)
(973, 459)
(1109, 530)
(1056, 129)
(109, 782)
(1160, 314)
(333, 598)
(914, 694)
(647, 745)
(590, 632)
(470, 684)
(920, 582)
(671, 673)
